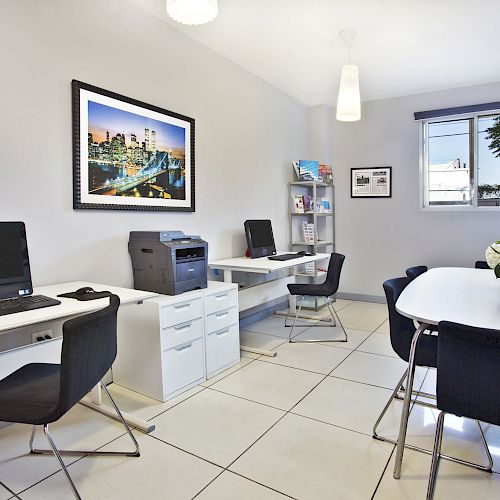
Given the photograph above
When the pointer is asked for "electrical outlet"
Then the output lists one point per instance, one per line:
(40, 336)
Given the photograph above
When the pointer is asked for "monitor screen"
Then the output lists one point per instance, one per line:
(260, 238)
(15, 276)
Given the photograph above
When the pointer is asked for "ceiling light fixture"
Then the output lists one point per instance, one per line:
(192, 12)
(349, 100)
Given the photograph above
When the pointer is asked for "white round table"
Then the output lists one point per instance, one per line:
(461, 295)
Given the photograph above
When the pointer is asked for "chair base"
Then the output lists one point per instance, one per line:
(395, 395)
(59, 453)
(334, 317)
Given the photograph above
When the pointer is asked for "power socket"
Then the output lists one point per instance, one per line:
(41, 336)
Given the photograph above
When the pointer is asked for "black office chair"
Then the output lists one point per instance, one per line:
(413, 272)
(326, 289)
(481, 264)
(41, 393)
(468, 381)
(402, 330)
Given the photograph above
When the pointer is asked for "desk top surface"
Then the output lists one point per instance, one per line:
(263, 264)
(462, 295)
(68, 307)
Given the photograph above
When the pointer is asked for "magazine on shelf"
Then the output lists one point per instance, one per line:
(326, 206)
(295, 165)
(325, 174)
(308, 170)
(307, 203)
(298, 203)
(308, 230)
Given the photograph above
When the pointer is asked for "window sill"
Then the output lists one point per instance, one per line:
(450, 208)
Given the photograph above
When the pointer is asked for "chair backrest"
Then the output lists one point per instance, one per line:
(413, 272)
(332, 279)
(468, 376)
(481, 264)
(402, 328)
(88, 351)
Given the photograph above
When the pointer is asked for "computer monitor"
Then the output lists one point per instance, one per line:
(260, 238)
(15, 275)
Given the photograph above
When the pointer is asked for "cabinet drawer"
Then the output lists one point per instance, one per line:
(223, 348)
(182, 365)
(221, 319)
(221, 300)
(181, 333)
(173, 314)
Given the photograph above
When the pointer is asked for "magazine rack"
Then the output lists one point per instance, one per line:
(313, 203)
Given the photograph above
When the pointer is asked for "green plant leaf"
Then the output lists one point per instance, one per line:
(497, 270)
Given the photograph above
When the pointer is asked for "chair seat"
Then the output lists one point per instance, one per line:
(30, 394)
(312, 290)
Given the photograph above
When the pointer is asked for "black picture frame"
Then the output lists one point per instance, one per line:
(373, 182)
(153, 164)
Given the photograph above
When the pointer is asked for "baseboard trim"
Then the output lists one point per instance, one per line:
(262, 311)
(361, 296)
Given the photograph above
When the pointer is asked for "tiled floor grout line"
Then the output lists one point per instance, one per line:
(9, 490)
(383, 472)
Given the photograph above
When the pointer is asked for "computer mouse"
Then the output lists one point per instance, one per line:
(84, 290)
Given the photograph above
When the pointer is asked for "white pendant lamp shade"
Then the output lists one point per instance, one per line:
(349, 100)
(192, 11)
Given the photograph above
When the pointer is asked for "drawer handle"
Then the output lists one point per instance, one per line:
(220, 296)
(184, 326)
(184, 347)
(191, 270)
(182, 307)
(222, 332)
(222, 315)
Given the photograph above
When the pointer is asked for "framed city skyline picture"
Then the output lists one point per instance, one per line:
(129, 155)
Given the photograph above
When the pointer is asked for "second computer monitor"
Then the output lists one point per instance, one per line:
(260, 238)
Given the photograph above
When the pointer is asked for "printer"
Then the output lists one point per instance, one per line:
(168, 262)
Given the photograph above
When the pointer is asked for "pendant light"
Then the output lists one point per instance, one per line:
(349, 100)
(192, 12)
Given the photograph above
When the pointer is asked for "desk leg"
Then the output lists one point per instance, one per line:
(95, 403)
(228, 276)
(406, 403)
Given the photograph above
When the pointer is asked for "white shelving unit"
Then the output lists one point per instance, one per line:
(324, 229)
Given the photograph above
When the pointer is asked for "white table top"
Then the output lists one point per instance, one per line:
(263, 264)
(68, 307)
(462, 295)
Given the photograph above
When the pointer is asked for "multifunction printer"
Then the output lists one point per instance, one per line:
(168, 262)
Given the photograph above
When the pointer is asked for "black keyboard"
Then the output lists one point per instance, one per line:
(21, 304)
(286, 256)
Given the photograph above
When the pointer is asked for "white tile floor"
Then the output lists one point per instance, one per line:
(298, 425)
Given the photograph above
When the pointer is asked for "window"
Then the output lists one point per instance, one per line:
(460, 161)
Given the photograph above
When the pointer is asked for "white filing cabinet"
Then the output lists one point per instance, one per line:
(222, 333)
(161, 345)
(168, 344)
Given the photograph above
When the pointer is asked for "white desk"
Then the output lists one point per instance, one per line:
(461, 295)
(262, 265)
(49, 351)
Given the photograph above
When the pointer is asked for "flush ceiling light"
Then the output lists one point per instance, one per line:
(192, 11)
(349, 100)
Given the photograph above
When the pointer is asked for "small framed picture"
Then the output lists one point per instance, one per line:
(371, 182)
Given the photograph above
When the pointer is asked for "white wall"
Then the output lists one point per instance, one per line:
(382, 237)
(247, 133)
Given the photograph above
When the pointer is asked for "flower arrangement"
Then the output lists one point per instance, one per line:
(492, 255)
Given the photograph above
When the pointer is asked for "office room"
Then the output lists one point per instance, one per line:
(249, 249)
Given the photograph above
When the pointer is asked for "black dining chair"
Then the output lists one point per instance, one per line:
(474, 393)
(402, 330)
(481, 264)
(41, 393)
(326, 290)
(415, 271)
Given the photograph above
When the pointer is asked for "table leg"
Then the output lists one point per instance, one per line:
(406, 403)
(95, 403)
(228, 276)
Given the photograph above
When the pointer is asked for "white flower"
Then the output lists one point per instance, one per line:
(492, 255)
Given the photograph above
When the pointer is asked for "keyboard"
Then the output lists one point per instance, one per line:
(21, 304)
(286, 256)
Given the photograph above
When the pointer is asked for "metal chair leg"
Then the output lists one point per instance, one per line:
(436, 453)
(56, 452)
(135, 453)
(295, 320)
